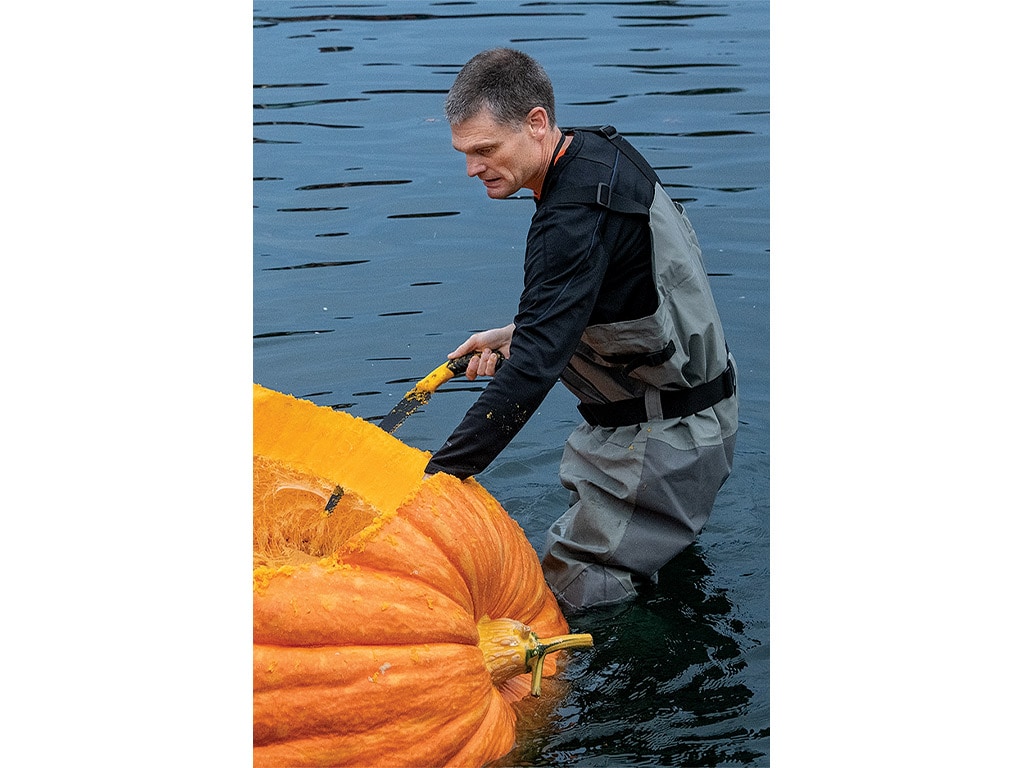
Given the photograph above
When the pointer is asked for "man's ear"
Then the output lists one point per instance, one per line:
(537, 122)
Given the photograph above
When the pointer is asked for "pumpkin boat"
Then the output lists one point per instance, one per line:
(395, 620)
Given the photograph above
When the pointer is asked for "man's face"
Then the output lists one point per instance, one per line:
(503, 158)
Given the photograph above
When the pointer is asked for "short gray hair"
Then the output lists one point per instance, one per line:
(504, 81)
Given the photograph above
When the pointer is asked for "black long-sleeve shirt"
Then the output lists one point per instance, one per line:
(584, 265)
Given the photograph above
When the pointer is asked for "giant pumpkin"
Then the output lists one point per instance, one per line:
(395, 620)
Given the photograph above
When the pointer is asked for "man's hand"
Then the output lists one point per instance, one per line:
(486, 343)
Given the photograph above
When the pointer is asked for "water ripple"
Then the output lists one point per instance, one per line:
(341, 184)
(287, 85)
(651, 69)
(308, 103)
(275, 334)
(265, 21)
(680, 17)
(422, 215)
(317, 265)
(545, 39)
(299, 122)
(691, 135)
(384, 91)
(696, 92)
(713, 189)
(315, 208)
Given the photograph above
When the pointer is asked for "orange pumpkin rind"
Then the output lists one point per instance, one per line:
(373, 590)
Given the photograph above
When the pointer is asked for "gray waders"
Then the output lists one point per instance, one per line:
(659, 397)
(640, 495)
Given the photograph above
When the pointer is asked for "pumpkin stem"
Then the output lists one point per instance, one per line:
(535, 656)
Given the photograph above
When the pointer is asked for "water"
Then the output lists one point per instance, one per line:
(374, 256)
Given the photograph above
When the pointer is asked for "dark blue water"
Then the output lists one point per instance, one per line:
(374, 256)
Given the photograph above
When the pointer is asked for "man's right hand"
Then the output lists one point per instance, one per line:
(486, 343)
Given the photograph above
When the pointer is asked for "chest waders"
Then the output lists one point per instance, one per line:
(659, 398)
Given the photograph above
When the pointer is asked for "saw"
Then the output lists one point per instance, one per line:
(419, 395)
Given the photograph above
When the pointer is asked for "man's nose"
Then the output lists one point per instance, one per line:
(473, 167)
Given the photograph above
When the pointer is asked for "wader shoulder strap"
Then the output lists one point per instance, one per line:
(601, 194)
(597, 194)
(616, 138)
(611, 133)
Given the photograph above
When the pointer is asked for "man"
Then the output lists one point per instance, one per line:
(616, 304)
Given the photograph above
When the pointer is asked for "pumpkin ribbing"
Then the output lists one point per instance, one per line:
(371, 629)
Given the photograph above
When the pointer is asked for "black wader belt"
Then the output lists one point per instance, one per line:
(675, 403)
